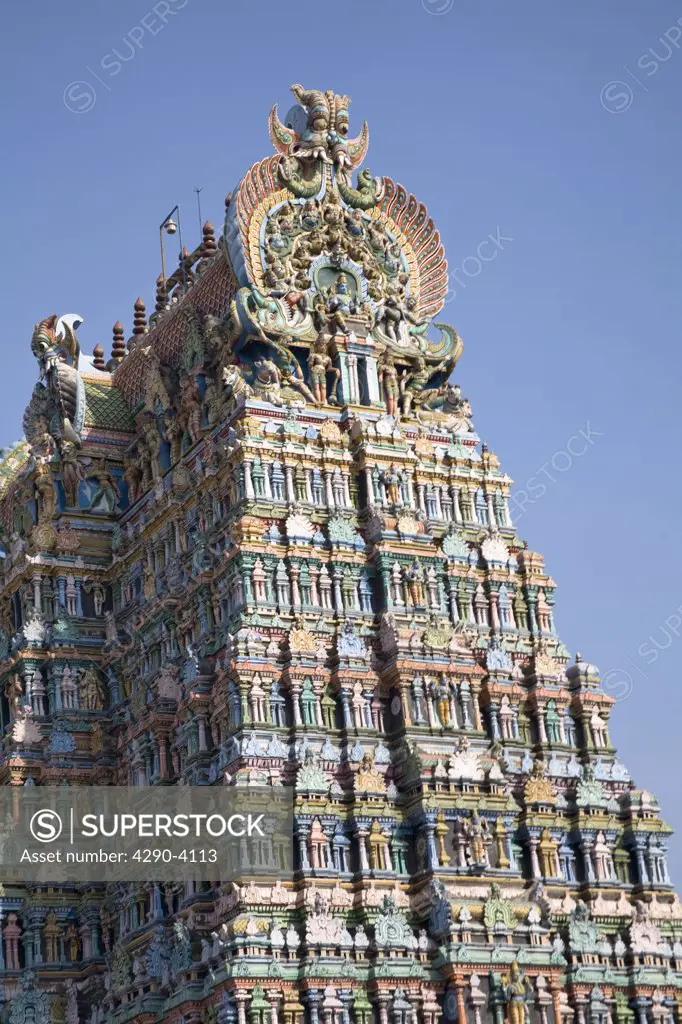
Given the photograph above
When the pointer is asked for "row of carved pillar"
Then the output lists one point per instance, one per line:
(47, 939)
(297, 586)
(442, 501)
(296, 484)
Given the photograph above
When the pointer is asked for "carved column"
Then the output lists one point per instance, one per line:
(289, 484)
(248, 482)
(328, 489)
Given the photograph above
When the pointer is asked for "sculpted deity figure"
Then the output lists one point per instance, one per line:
(396, 318)
(149, 445)
(333, 309)
(110, 630)
(320, 364)
(71, 472)
(212, 404)
(190, 413)
(413, 382)
(602, 858)
(391, 316)
(132, 474)
(310, 214)
(68, 689)
(285, 372)
(72, 943)
(388, 377)
(334, 217)
(12, 934)
(90, 691)
(98, 595)
(476, 833)
(44, 490)
(14, 691)
(377, 234)
(71, 594)
(414, 577)
(51, 935)
(22, 522)
(441, 694)
(283, 311)
(392, 479)
(38, 427)
(107, 495)
(515, 987)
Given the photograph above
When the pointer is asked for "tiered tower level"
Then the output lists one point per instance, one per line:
(263, 544)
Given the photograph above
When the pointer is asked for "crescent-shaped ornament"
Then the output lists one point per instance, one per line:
(357, 147)
(282, 138)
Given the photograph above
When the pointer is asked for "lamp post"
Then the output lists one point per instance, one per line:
(170, 227)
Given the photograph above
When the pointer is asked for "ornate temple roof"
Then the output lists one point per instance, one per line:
(13, 460)
(106, 407)
(209, 295)
(262, 546)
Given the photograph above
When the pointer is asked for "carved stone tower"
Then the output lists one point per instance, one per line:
(263, 544)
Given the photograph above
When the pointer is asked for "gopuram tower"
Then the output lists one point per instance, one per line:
(262, 544)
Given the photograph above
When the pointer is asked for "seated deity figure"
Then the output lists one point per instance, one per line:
(338, 304)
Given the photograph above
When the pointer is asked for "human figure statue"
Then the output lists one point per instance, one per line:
(107, 495)
(392, 479)
(388, 377)
(476, 833)
(14, 691)
(71, 471)
(320, 364)
(46, 498)
(441, 694)
(414, 576)
(515, 987)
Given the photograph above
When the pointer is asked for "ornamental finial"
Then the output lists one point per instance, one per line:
(98, 358)
(161, 298)
(118, 347)
(139, 318)
(208, 244)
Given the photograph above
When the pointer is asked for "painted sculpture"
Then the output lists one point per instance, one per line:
(262, 543)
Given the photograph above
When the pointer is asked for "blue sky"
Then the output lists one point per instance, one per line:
(552, 127)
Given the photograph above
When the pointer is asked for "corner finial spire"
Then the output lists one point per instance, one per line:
(139, 318)
(98, 358)
(208, 245)
(161, 298)
(118, 347)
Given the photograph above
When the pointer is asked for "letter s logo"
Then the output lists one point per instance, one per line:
(46, 826)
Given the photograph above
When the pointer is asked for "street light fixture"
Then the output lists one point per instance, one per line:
(170, 227)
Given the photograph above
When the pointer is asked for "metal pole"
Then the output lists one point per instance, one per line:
(164, 223)
(201, 229)
(182, 258)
